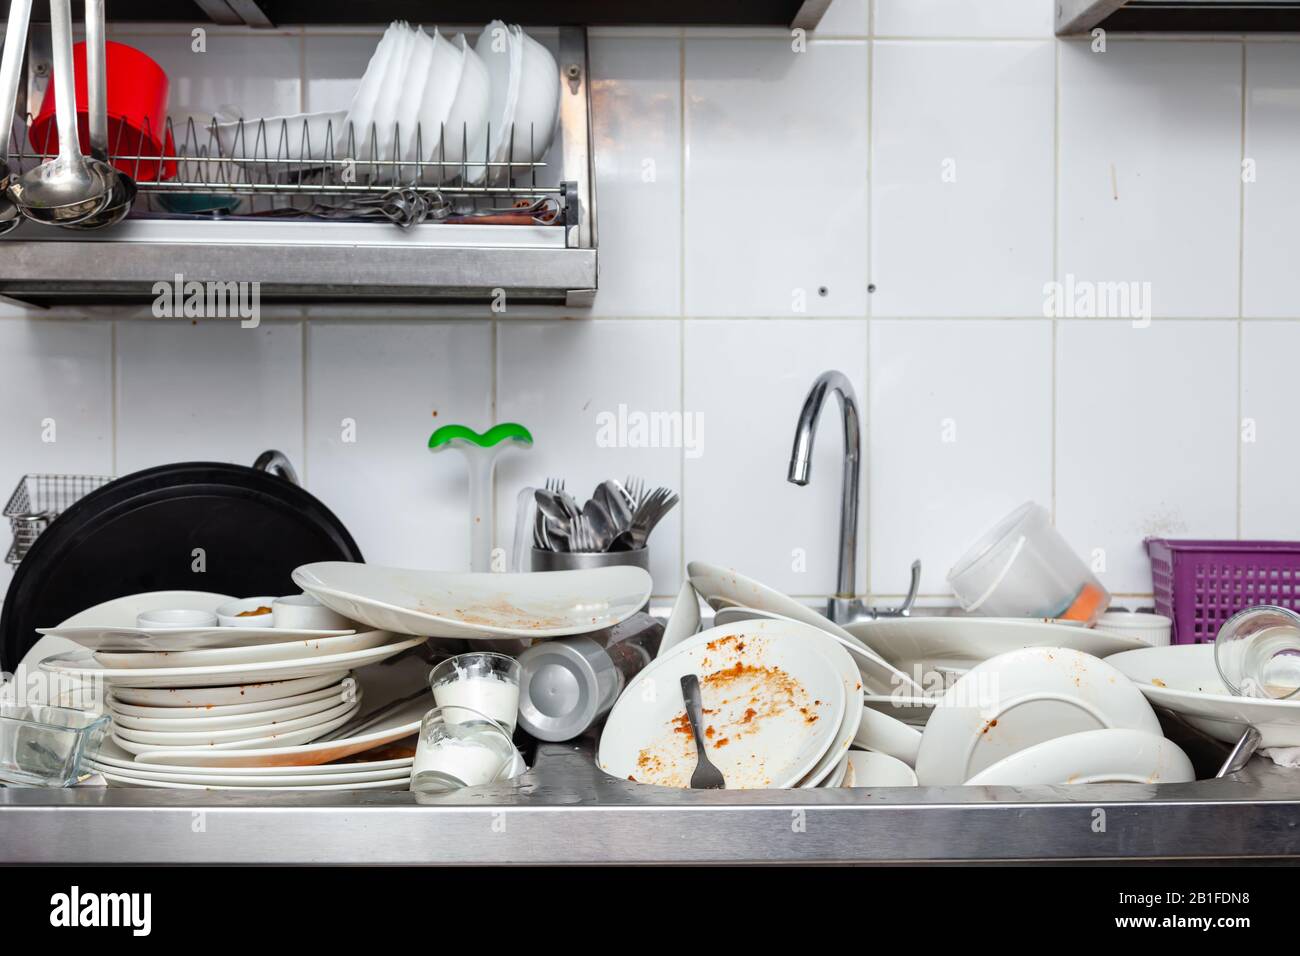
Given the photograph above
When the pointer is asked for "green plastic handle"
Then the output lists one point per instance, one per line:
(506, 431)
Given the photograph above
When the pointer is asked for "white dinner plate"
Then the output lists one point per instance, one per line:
(1183, 678)
(683, 620)
(206, 737)
(296, 650)
(772, 706)
(119, 760)
(183, 775)
(878, 675)
(163, 718)
(257, 718)
(85, 667)
(1022, 698)
(253, 692)
(402, 723)
(286, 738)
(836, 778)
(486, 605)
(121, 780)
(842, 661)
(1094, 756)
(918, 644)
(180, 639)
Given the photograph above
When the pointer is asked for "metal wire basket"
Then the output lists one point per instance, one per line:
(37, 501)
(324, 169)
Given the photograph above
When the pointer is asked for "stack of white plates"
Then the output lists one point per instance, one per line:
(782, 703)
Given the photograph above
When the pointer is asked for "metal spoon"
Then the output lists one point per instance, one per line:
(11, 66)
(123, 186)
(706, 776)
(66, 189)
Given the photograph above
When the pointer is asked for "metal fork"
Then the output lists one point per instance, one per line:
(706, 776)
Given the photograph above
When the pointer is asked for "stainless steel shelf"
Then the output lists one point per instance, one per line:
(1080, 17)
(567, 811)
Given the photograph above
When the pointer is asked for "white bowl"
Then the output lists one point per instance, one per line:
(176, 617)
(1154, 629)
(438, 82)
(502, 55)
(303, 612)
(467, 123)
(228, 614)
(871, 769)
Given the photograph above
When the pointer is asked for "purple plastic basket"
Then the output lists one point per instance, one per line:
(1200, 584)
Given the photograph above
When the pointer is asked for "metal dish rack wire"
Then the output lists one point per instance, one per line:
(37, 501)
(255, 169)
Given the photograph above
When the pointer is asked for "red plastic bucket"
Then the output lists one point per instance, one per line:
(137, 111)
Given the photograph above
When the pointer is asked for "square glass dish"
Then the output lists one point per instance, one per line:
(45, 746)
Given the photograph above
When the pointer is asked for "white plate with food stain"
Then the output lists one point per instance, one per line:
(1016, 700)
(1095, 756)
(1183, 678)
(486, 605)
(772, 706)
(727, 588)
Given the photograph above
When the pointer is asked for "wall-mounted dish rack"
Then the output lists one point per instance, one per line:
(298, 209)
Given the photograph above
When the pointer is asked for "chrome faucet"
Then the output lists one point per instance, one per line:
(844, 607)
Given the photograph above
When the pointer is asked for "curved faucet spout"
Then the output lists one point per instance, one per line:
(801, 464)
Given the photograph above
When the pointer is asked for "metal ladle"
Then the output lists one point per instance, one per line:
(123, 186)
(68, 188)
(11, 67)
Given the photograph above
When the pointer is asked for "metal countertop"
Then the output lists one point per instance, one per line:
(565, 811)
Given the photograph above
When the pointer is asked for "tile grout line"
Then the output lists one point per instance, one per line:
(1056, 257)
(681, 287)
(1241, 299)
(867, 458)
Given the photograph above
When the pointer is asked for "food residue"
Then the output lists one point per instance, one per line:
(255, 612)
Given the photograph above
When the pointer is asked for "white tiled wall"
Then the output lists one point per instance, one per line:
(889, 200)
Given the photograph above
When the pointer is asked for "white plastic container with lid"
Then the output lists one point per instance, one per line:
(1024, 568)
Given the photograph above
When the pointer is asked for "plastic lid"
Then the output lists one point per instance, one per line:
(559, 691)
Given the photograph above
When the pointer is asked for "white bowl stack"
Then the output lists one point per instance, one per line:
(437, 98)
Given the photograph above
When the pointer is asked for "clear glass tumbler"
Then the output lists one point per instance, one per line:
(1257, 652)
(484, 682)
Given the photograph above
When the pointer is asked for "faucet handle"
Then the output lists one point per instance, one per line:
(904, 609)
